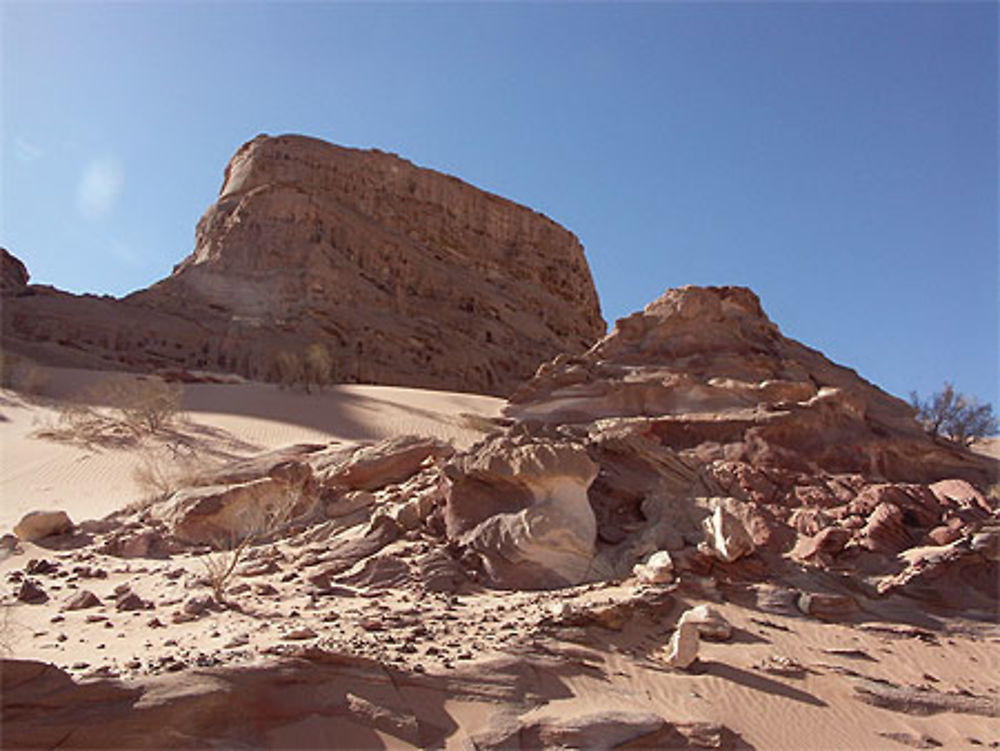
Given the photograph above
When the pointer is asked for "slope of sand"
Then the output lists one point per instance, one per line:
(783, 681)
(220, 422)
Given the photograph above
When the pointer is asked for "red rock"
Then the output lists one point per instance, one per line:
(829, 541)
(946, 533)
(360, 253)
(884, 532)
(82, 600)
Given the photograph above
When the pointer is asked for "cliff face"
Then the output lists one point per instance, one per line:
(404, 275)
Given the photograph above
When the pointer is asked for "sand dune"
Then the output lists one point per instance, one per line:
(219, 422)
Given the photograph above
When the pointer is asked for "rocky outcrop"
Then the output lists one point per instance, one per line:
(520, 503)
(357, 259)
(13, 274)
(705, 369)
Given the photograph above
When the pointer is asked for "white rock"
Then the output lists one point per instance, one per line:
(710, 623)
(726, 537)
(683, 647)
(658, 569)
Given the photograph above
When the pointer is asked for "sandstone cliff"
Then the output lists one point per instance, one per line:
(404, 275)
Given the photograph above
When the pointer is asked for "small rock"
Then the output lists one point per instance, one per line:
(786, 667)
(711, 625)
(130, 601)
(31, 593)
(83, 600)
(264, 589)
(198, 604)
(682, 650)
(658, 569)
(237, 641)
(37, 525)
(726, 537)
(40, 566)
(300, 634)
(8, 544)
(827, 607)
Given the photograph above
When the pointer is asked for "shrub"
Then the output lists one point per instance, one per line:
(22, 374)
(145, 403)
(264, 522)
(956, 416)
(289, 369)
(318, 366)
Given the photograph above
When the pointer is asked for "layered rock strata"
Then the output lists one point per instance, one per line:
(399, 274)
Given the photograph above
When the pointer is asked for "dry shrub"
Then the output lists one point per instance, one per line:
(289, 369)
(158, 476)
(22, 374)
(263, 522)
(145, 403)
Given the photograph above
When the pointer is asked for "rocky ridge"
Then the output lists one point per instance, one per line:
(360, 253)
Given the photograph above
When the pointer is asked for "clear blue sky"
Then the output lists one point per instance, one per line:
(838, 158)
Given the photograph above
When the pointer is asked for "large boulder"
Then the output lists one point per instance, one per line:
(36, 525)
(520, 503)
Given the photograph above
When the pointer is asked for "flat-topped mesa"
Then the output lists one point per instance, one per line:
(409, 276)
(714, 377)
(404, 275)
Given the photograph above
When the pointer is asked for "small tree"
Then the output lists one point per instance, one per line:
(289, 369)
(961, 418)
(318, 366)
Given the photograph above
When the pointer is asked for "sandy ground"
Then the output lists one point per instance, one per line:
(781, 682)
(220, 422)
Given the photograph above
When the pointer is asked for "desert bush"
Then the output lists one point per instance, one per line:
(956, 416)
(158, 475)
(263, 522)
(145, 403)
(22, 374)
(318, 367)
(289, 370)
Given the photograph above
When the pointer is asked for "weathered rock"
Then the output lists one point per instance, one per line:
(710, 622)
(599, 730)
(521, 504)
(390, 461)
(82, 600)
(128, 600)
(682, 650)
(223, 515)
(960, 494)
(827, 607)
(37, 525)
(884, 531)
(360, 253)
(713, 376)
(725, 536)
(829, 542)
(946, 533)
(658, 569)
(13, 274)
(32, 593)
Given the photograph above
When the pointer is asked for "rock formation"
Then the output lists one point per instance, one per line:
(398, 274)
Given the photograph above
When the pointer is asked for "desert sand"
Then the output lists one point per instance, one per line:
(221, 422)
(370, 664)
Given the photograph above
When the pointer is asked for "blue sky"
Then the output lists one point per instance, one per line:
(838, 158)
